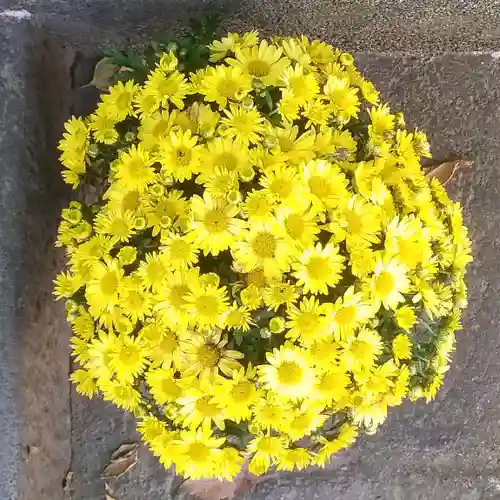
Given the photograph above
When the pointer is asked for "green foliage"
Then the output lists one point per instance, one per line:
(191, 50)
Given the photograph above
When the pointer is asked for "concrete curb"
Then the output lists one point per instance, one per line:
(34, 394)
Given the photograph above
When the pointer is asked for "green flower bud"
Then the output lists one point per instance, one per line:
(140, 223)
(130, 136)
(93, 150)
(277, 324)
(172, 47)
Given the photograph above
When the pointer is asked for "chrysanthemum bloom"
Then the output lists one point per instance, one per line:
(260, 269)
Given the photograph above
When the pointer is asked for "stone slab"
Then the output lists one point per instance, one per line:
(34, 389)
(425, 27)
(448, 449)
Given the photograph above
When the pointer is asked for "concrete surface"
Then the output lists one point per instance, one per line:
(424, 26)
(34, 391)
(445, 450)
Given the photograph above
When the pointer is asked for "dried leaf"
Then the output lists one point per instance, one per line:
(213, 489)
(445, 172)
(32, 450)
(105, 73)
(109, 493)
(68, 479)
(122, 460)
(125, 449)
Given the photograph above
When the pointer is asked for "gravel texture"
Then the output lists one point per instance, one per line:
(425, 27)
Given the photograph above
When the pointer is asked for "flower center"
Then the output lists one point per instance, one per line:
(319, 186)
(206, 408)
(259, 205)
(316, 267)
(124, 100)
(265, 444)
(385, 283)
(183, 156)
(295, 226)
(119, 227)
(227, 160)
(170, 388)
(155, 271)
(168, 343)
(264, 245)
(227, 87)
(308, 321)
(206, 305)
(286, 144)
(109, 283)
(129, 355)
(301, 423)
(208, 355)
(289, 373)
(215, 221)
(198, 452)
(160, 128)
(327, 382)
(242, 391)
(177, 294)
(258, 68)
(134, 301)
(354, 221)
(361, 350)
(131, 200)
(179, 249)
(346, 315)
(282, 187)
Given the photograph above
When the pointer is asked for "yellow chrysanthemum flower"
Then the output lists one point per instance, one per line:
(309, 321)
(173, 87)
(388, 283)
(261, 267)
(102, 290)
(214, 226)
(263, 62)
(243, 125)
(401, 347)
(224, 84)
(326, 185)
(207, 305)
(350, 311)
(261, 246)
(319, 268)
(206, 355)
(289, 373)
(119, 100)
(179, 155)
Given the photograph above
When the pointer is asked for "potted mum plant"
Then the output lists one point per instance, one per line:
(259, 267)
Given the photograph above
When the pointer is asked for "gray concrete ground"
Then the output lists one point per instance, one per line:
(425, 26)
(444, 450)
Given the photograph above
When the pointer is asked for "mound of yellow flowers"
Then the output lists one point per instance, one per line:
(258, 267)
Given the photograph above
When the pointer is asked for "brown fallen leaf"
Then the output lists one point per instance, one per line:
(68, 479)
(31, 451)
(109, 492)
(445, 172)
(122, 460)
(213, 489)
